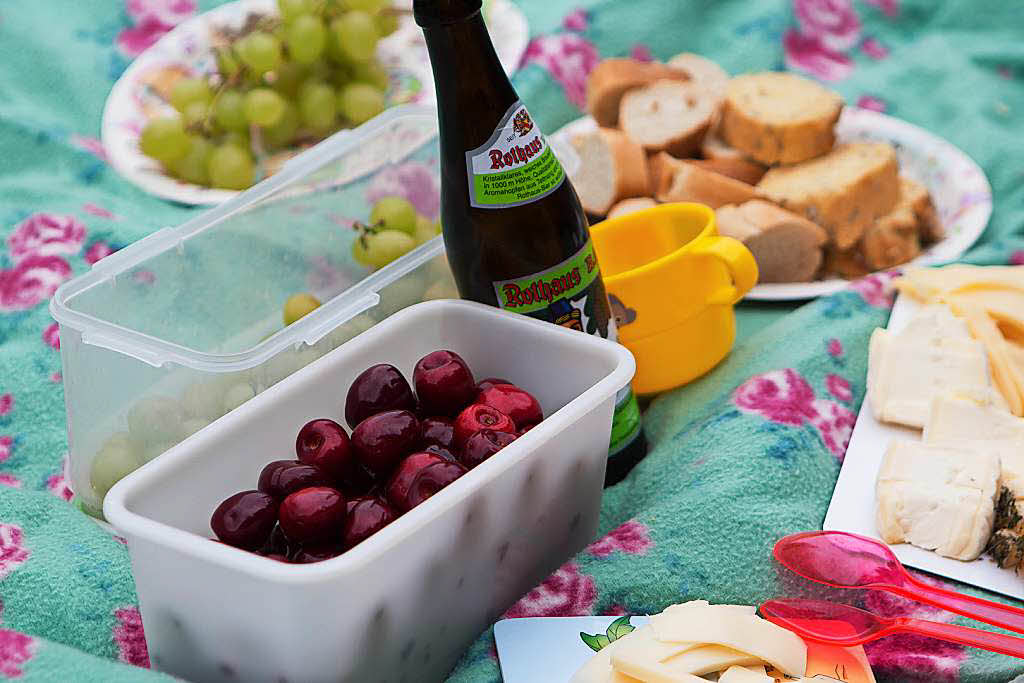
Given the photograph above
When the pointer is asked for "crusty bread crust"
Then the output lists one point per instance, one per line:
(891, 240)
(612, 78)
(744, 170)
(779, 117)
(703, 72)
(628, 173)
(787, 247)
(691, 183)
(670, 116)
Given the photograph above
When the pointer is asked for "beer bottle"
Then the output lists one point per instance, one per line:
(514, 230)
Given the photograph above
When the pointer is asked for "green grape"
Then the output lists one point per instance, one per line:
(229, 110)
(318, 106)
(115, 460)
(306, 39)
(227, 63)
(359, 102)
(230, 167)
(373, 74)
(355, 35)
(189, 90)
(387, 23)
(282, 133)
(195, 114)
(426, 229)
(192, 168)
(263, 106)
(371, 6)
(238, 138)
(164, 139)
(260, 51)
(288, 78)
(299, 305)
(377, 249)
(290, 9)
(394, 213)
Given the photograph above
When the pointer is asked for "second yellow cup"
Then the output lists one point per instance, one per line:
(672, 282)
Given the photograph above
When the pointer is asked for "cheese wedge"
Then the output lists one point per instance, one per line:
(957, 417)
(929, 284)
(598, 669)
(745, 674)
(936, 497)
(747, 634)
(684, 667)
(935, 322)
(1007, 376)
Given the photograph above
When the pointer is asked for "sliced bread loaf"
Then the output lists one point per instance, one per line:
(691, 183)
(612, 167)
(843, 191)
(744, 170)
(847, 263)
(779, 117)
(891, 239)
(714, 147)
(670, 116)
(915, 196)
(631, 206)
(703, 72)
(612, 78)
(787, 247)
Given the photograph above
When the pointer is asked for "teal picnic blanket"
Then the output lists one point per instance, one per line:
(737, 459)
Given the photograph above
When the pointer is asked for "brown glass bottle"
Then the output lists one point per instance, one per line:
(514, 230)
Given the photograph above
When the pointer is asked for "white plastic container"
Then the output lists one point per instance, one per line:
(170, 333)
(405, 603)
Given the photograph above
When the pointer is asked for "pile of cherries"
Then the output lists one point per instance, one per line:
(405, 447)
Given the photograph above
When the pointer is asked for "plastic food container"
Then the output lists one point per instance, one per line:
(168, 334)
(405, 603)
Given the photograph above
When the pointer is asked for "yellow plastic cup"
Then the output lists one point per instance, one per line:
(672, 282)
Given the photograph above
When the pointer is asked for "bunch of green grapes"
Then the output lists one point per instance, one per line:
(394, 229)
(290, 79)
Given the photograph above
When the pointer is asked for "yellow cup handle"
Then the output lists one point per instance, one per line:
(738, 261)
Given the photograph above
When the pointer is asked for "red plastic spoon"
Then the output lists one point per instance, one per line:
(837, 624)
(842, 560)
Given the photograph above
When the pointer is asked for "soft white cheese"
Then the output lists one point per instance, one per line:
(745, 674)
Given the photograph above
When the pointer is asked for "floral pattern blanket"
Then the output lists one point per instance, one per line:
(738, 458)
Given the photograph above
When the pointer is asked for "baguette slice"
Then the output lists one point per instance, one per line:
(843, 191)
(612, 167)
(779, 117)
(631, 205)
(787, 247)
(915, 195)
(612, 78)
(714, 147)
(703, 72)
(744, 170)
(668, 116)
(848, 264)
(661, 168)
(891, 240)
(691, 183)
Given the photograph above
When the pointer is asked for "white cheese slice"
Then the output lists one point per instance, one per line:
(745, 674)
(684, 667)
(936, 497)
(747, 634)
(934, 322)
(742, 609)
(877, 348)
(598, 669)
(957, 417)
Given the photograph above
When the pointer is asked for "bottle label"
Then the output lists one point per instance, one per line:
(515, 167)
(626, 421)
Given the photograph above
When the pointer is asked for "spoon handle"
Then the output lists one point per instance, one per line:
(997, 614)
(986, 640)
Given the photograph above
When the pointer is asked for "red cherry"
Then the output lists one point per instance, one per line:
(520, 405)
(432, 479)
(313, 515)
(483, 445)
(443, 452)
(280, 480)
(359, 482)
(366, 516)
(397, 489)
(525, 428)
(437, 431)
(377, 389)
(490, 382)
(382, 440)
(477, 417)
(277, 556)
(444, 383)
(277, 544)
(316, 552)
(245, 520)
(323, 443)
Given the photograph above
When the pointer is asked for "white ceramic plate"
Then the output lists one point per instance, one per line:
(959, 188)
(186, 49)
(853, 501)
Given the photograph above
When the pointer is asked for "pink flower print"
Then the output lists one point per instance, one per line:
(59, 484)
(51, 336)
(875, 290)
(6, 404)
(98, 250)
(566, 593)
(872, 103)
(56, 377)
(134, 40)
(12, 553)
(834, 424)
(130, 638)
(97, 210)
(413, 180)
(630, 537)
(834, 22)
(1004, 71)
(781, 396)
(6, 447)
(91, 145)
(152, 18)
(834, 348)
(874, 49)
(144, 277)
(839, 387)
(46, 234)
(615, 611)
(569, 58)
(9, 480)
(641, 53)
(890, 7)
(1016, 259)
(15, 649)
(576, 20)
(33, 279)
(809, 54)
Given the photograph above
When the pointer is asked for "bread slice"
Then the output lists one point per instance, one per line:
(915, 196)
(843, 191)
(891, 240)
(847, 264)
(787, 247)
(670, 116)
(612, 78)
(779, 117)
(691, 183)
(612, 167)
(631, 206)
(703, 72)
(714, 147)
(661, 168)
(744, 170)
